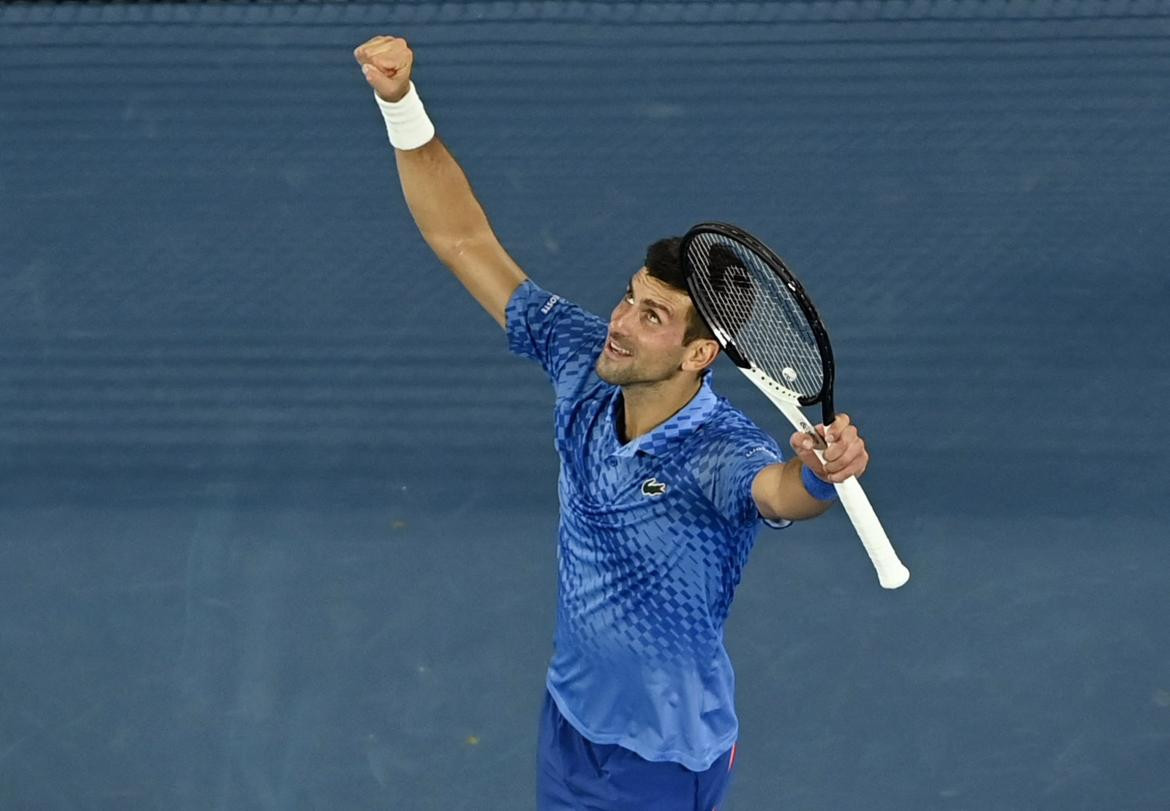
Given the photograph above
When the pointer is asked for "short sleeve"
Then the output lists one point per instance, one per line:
(559, 335)
(734, 462)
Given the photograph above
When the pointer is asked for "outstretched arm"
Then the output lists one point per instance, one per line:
(780, 491)
(440, 198)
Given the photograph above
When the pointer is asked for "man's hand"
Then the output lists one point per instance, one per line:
(386, 63)
(846, 455)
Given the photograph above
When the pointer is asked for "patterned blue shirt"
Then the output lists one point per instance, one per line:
(654, 535)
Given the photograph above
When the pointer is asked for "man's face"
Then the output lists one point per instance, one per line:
(646, 329)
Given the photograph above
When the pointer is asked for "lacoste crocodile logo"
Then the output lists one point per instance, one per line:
(653, 487)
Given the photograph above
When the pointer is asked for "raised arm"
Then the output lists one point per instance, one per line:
(440, 198)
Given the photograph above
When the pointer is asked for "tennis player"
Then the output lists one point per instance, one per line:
(663, 488)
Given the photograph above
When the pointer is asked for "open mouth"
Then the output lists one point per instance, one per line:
(616, 351)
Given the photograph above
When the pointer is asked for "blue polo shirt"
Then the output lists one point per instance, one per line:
(654, 534)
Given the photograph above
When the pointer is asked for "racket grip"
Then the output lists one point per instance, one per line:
(890, 571)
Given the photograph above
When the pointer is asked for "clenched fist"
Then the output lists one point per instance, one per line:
(386, 63)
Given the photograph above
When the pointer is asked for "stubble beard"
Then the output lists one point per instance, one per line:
(630, 375)
(616, 377)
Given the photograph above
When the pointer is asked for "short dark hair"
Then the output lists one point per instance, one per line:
(664, 263)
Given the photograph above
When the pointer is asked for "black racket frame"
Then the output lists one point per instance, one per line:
(825, 396)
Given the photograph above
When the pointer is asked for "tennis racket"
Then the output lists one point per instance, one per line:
(768, 327)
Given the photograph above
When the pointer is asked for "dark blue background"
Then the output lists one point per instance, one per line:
(277, 511)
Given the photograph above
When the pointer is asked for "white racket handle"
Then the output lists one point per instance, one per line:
(890, 571)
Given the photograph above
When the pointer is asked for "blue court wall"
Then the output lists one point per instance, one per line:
(277, 509)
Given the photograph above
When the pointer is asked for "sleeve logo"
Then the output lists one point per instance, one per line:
(548, 305)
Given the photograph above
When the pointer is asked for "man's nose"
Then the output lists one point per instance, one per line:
(619, 318)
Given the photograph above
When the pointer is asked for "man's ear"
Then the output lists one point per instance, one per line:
(701, 353)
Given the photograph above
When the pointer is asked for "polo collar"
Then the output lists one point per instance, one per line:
(655, 443)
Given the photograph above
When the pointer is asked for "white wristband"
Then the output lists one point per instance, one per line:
(407, 123)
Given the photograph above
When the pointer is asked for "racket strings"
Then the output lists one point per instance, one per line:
(749, 304)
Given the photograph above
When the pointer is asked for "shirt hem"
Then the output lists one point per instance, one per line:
(685, 758)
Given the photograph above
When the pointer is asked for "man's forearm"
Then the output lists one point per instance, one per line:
(780, 493)
(454, 225)
(440, 199)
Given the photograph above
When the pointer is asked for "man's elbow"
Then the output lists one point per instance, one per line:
(791, 506)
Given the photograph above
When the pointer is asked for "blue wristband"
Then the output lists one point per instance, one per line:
(817, 488)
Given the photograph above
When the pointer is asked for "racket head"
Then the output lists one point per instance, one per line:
(759, 312)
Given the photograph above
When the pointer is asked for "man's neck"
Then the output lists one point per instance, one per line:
(646, 406)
